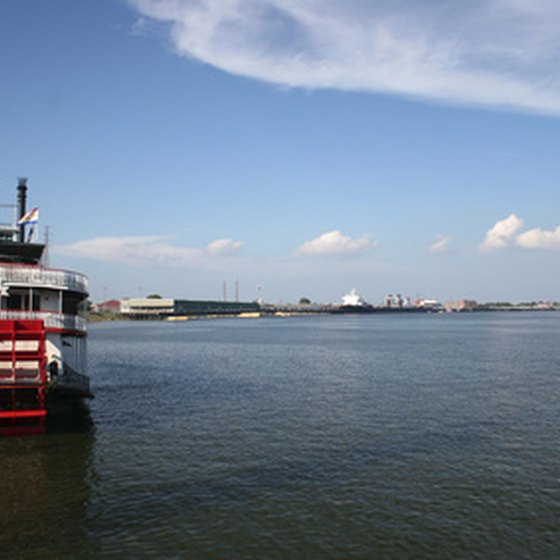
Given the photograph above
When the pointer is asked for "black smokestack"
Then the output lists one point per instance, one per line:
(22, 200)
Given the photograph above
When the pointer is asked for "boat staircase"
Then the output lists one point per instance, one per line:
(23, 376)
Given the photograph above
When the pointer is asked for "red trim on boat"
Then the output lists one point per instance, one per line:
(68, 332)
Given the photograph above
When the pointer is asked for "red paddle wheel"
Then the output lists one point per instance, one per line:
(23, 377)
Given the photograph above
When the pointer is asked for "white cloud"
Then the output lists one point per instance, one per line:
(540, 239)
(441, 244)
(335, 243)
(145, 250)
(490, 52)
(223, 247)
(501, 234)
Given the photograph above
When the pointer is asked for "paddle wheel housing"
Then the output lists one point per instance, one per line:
(23, 374)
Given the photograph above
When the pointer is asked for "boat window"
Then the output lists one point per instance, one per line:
(70, 304)
(19, 301)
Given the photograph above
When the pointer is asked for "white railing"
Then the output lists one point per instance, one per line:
(43, 277)
(50, 319)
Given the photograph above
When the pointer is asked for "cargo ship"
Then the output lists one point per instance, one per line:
(42, 334)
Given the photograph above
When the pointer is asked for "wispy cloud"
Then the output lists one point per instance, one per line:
(223, 247)
(140, 27)
(146, 250)
(335, 243)
(501, 234)
(489, 52)
(441, 244)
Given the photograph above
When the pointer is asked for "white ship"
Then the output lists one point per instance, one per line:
(42, 335)
(353, 299)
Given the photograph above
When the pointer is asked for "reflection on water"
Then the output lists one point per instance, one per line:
(65, 417)
(45, 489)
(72, 417)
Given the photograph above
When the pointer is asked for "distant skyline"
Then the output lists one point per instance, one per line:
(301, 149)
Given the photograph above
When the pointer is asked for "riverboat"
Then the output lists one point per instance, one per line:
(42, 334)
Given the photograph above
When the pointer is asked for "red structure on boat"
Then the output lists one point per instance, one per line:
(23, 378)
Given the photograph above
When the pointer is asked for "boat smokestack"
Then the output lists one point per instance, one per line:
(22, 202)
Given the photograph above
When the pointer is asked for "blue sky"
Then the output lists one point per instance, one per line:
(307, 147)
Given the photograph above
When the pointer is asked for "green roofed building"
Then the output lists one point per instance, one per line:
(158, 308)
(195, 307)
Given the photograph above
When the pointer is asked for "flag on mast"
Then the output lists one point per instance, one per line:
(32, 217)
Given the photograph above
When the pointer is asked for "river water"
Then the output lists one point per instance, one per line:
(421, 436)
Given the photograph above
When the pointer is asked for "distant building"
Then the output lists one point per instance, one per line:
(198, 307)
(461, 305)
(397, 301)
(431, 304)
(146, 308)
(153, 308)
(112, 305)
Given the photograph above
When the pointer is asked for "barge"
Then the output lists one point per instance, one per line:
(42, 334)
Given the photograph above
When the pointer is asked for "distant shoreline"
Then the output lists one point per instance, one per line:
(303, 311)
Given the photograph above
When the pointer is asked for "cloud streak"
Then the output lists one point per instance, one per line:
(441, 244)
(334, 243)
(486, 52)
(146, 250)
